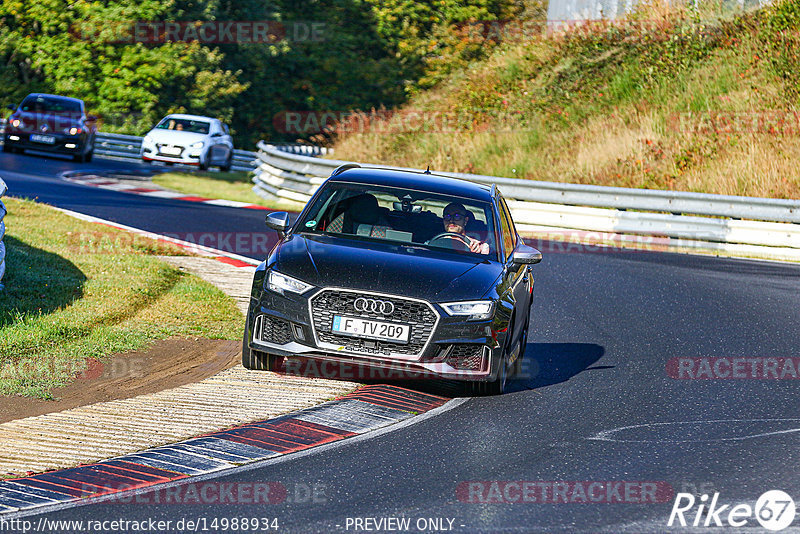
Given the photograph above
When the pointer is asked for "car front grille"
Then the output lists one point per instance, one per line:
(272, 330)
(417, 314)
(465, 356)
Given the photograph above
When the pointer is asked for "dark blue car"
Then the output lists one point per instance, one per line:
(51, 123)
(396, 270)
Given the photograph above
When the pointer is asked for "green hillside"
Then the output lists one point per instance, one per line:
(668, 99)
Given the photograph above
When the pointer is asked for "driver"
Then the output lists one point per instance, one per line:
(455, 217)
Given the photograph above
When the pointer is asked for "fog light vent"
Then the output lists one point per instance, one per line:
(466, 357)
(272, 330)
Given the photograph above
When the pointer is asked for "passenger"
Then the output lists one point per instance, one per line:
(455, 217)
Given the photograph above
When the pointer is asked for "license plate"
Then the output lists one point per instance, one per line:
(171, 150)
(366, 328)
(38, 138)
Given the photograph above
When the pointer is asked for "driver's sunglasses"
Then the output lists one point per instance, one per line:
(453, 216)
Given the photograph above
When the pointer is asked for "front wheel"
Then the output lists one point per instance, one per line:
(227, 166)
(523, 343)
(7, 148)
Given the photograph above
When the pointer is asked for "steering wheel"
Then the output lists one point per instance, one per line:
(457, 238)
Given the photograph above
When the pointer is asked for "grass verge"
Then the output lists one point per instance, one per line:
(235, 185)
(76, 290)
(671, 99)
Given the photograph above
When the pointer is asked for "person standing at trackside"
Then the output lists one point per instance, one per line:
(455, 217)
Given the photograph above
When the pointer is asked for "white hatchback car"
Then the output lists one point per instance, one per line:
(191, 140)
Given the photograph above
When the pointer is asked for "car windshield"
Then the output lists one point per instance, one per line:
(43, 104)
(397, 215)
(185, 125)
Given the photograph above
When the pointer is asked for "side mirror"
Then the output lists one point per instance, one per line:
(12, 107)
(278, 221)
(91, 118)
(525, 255)
(216, 134)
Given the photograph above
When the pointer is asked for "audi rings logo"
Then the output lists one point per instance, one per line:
(383, 307)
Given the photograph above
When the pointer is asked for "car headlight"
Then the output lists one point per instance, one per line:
(473, 310)
(279, 283)
(72, 131)
(198, 144)
(147, 139)
(15, 123)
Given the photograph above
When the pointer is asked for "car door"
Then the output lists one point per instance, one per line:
(215, 148)
(516, 276)
(227, 137)
(221, 142)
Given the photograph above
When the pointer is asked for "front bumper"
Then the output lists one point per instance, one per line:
(455, 348)
(63, 143)
(188, 155)
(167, 159)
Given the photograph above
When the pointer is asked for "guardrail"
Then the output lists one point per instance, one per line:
(3, 189)
(544, 207)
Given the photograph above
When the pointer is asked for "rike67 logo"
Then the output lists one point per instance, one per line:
(774, 510)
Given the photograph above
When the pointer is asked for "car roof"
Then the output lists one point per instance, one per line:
(417, 180)
(189, 117)
(57, 97)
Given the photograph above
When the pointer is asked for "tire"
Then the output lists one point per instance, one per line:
(498, 386)
(227, 166)
(89, 156)
(523, 343)
(79, 158)
(203, 165)
(169, 163)
(7, 148)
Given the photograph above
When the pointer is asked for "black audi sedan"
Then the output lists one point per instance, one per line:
(51, 123)
(404, 271)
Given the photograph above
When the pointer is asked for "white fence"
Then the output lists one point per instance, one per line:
(745, 225)
(3, 189)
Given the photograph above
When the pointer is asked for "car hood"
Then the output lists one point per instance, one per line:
(175, 137)
(327, 261)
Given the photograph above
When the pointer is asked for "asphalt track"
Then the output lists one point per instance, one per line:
(597, 402)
